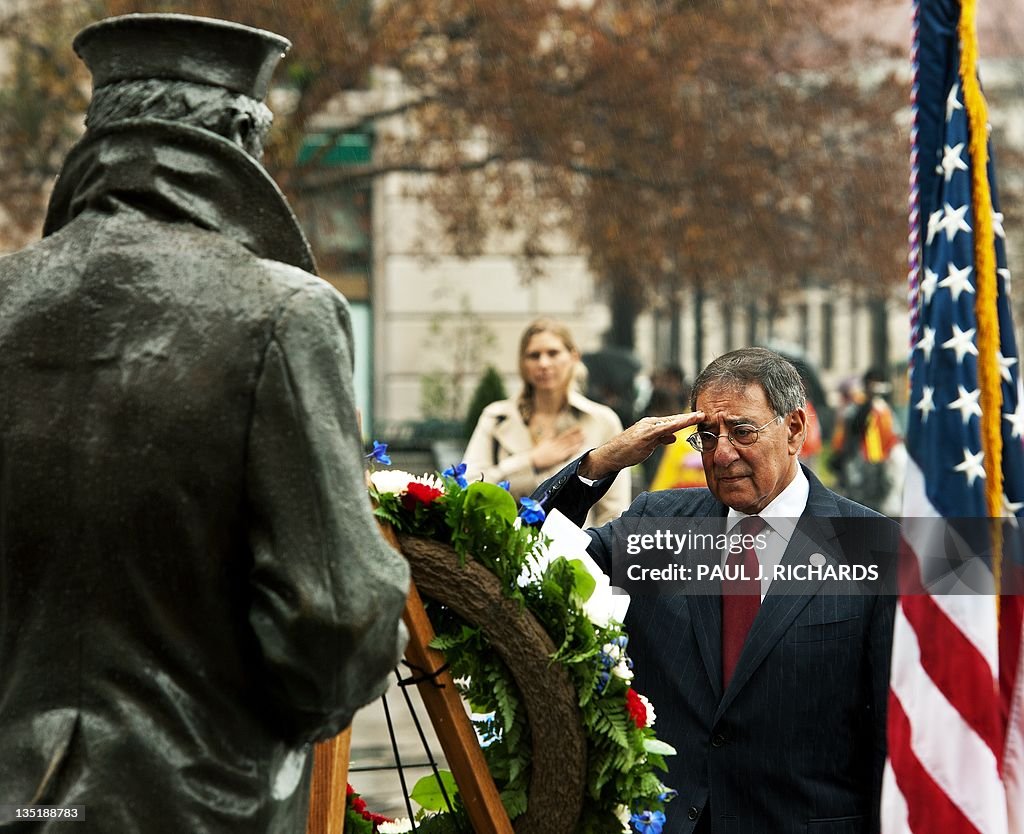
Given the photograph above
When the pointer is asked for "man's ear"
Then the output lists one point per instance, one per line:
(796, 429)
(241, 130)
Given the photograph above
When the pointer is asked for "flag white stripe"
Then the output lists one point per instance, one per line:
(895, 815)
(973, 615)
(955, 750)
(1013, 758)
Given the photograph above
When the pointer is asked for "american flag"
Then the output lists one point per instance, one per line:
(956, 732)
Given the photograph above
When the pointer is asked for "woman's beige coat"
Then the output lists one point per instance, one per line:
(500, 447)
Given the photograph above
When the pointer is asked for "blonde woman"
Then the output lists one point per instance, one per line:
(527, 439)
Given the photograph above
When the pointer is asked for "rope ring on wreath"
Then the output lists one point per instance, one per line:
(559, 747)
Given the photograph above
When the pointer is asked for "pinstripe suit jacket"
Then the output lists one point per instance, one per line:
(796, 742)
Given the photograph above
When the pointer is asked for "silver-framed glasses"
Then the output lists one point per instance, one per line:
(739, 436)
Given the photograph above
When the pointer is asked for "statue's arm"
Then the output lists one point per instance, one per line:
(327, 591)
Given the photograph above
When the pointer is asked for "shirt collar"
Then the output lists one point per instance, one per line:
(785, 508)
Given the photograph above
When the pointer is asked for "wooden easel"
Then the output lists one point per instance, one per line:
(454, 731)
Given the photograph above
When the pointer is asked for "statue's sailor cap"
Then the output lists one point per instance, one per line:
(180, 47)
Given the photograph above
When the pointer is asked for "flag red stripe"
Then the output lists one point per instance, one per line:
(929, 809)
(1011, 614)
(957, 668)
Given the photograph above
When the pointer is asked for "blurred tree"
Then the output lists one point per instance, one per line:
(726, 147)
(458, 343)
(489, 389)
(41, 106)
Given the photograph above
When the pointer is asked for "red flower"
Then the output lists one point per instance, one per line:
(358, 806)
(417, 493)
(636, 709)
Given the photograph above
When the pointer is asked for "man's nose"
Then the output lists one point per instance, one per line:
(725, 452)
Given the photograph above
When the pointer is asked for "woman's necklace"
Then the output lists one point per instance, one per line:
(541, 427)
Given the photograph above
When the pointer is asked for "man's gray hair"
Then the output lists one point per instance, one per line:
(780, 380)
(201, 105)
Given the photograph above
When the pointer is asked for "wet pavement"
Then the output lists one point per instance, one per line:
(373, 772)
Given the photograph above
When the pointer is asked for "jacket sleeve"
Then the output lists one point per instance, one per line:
(614, 501)
(327, 591)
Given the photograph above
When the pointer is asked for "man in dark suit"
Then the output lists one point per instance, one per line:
(192, 585)
(775, 700)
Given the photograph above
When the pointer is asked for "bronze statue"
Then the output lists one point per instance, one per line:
(192, 586)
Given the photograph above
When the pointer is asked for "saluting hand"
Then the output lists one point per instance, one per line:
(635, 444)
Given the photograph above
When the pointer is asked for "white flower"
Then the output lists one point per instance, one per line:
(603, 605)
(430, 481)
(399, 826)
(622, 670)
(650, 710)
(395, 481)
(623, 815)
(390, 481)
(613, 651)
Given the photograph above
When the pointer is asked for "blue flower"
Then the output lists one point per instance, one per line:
(380, 453)
(532, 512)
(602, 681)
(648, 822)
(458, 473)
(505, 485)
(668, 794)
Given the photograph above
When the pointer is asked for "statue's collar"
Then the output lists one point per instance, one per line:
(176, 171)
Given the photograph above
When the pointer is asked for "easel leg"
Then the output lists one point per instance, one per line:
(327, 791)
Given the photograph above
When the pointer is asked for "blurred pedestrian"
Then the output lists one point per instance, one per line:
(526, 439)
(670, 392)
(614, 379)
(867, 450)
(193, 586)
(676, 465)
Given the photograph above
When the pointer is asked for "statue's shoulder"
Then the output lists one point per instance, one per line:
(299, 287)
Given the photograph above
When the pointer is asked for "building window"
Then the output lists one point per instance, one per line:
(337, 219)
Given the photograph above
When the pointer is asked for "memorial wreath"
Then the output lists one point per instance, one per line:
(605, 726)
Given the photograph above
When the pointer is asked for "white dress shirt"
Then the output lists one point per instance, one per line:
(780, 518)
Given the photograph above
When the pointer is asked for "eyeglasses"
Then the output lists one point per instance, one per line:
(705, 441)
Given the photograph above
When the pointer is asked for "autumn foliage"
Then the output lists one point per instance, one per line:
(728, 145)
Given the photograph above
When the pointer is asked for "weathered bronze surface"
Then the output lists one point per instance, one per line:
(192, 586)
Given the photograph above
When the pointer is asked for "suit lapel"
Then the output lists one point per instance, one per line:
(814, 533)
(707, 610)
(707, 631)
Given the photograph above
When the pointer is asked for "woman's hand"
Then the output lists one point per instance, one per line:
(557, 450)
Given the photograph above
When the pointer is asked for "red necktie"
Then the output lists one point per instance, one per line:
(741, 598)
